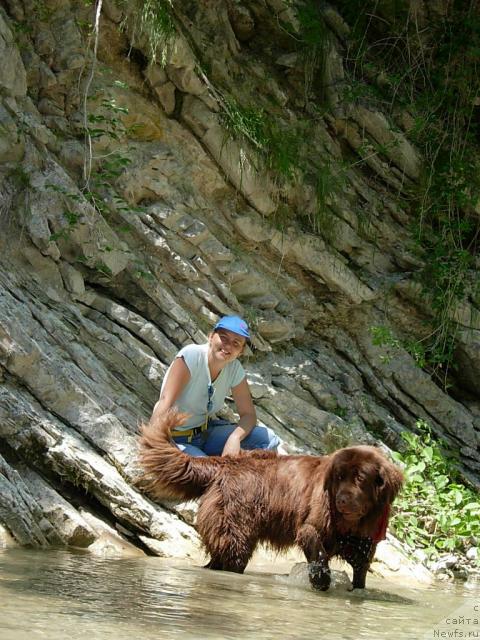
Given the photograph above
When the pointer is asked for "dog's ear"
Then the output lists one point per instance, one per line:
(389, 481)
(330, 474)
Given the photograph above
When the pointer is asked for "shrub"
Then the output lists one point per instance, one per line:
(436, 512)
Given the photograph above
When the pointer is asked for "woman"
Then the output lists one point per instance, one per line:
(197, 382)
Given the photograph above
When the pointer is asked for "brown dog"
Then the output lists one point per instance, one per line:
(335, 505)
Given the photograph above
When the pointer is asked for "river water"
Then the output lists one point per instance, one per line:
(61, 595)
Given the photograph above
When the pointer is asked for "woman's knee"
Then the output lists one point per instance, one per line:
(191, 450)
(261, 438)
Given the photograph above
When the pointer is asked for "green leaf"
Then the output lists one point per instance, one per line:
(428, 453)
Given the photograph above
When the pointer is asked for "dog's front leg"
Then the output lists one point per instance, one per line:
(361, 566)
(359, 554)
(308, 539)
(359, 578)
(214, 563)
(319, 573)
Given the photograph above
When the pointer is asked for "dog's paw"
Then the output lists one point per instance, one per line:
(355, 586)
(214, 564)
(319, 575)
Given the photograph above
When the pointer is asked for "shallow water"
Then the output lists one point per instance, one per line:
(63, 595)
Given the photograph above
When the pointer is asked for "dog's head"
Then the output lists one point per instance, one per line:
(361, 483)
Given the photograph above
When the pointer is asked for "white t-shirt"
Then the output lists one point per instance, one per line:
(194, 397)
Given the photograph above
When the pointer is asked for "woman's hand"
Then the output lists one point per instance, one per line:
(232, 445)
(248, 418)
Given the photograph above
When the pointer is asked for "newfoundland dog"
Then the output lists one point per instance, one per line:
(334, 505)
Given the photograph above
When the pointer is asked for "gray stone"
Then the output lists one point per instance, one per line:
(108, 542)
(166, 95)
(112, 11)
(72, 529)
(275, 328)
(185, 79)
(19, 512)
(445, 562)
(73, 280)
(289, 60)
(307, 423)
(231, 156)
(467, 356)
(12, 147)
(242, 21)
(13, 78)
(394, 144)
(313, 255)
(49, 108)
(472, 553)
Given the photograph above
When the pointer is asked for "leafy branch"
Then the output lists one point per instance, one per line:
(435, 511)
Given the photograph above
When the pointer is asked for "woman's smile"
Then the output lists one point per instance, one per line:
(226, 344)
(224, 354)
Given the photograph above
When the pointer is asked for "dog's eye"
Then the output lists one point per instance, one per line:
(340, 477)
(379, 481)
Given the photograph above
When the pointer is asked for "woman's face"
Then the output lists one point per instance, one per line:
(225, 345)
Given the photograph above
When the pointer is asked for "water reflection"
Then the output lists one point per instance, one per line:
(60, 595)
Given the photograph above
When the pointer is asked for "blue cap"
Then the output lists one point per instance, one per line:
(234, 324)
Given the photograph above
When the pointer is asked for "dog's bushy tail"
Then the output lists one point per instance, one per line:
(168, 472)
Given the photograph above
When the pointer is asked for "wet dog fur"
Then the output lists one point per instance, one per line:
(327, 505)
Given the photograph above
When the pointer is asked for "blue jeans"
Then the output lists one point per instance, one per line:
(211, 441)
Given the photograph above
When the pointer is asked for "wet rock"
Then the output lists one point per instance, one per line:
(108, 542)
(19, 511)
(71, 528)
(393, 560)
(444, 562)
(7, 541)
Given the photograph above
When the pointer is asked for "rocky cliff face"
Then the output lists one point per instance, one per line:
(138, 203)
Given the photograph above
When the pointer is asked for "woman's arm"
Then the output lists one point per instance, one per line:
(248, 418)
(177, 378)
